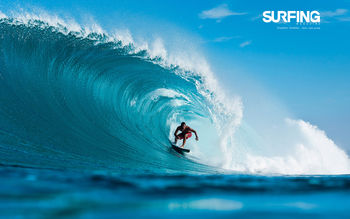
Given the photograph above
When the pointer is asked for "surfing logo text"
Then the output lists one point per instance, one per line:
(289, 16)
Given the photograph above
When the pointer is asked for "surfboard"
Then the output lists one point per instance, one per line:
(180, 150)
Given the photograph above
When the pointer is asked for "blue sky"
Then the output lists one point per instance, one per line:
(307, 72)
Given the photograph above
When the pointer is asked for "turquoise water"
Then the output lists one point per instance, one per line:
(82, 103)
(85, 123)
(46, 193)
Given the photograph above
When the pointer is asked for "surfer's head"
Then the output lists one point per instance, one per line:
(183, 124)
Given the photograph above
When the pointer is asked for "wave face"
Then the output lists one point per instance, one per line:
(83, 100)
(69, 101)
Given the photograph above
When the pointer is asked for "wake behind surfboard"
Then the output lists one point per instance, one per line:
(179, 149)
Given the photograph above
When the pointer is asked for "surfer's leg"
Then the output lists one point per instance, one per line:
(183, 143)
(177, 137)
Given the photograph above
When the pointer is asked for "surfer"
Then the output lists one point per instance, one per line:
(185, 133)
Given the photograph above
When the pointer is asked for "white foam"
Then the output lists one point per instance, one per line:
(167, 93)
(49, 18)
(311, 153)
(124, 36)
(158, 50)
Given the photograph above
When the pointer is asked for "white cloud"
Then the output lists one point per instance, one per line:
(338, 12)
(218, 12)
(344, 19)
(246, 43)
(224, 39)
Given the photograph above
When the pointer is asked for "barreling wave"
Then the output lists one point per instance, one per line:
(74, 101)
(79, 99)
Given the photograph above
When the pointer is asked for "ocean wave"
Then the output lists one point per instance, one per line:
(80, 98)
(88, 102)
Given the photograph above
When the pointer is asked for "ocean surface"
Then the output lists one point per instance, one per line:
(85, 124)
(44, 193)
